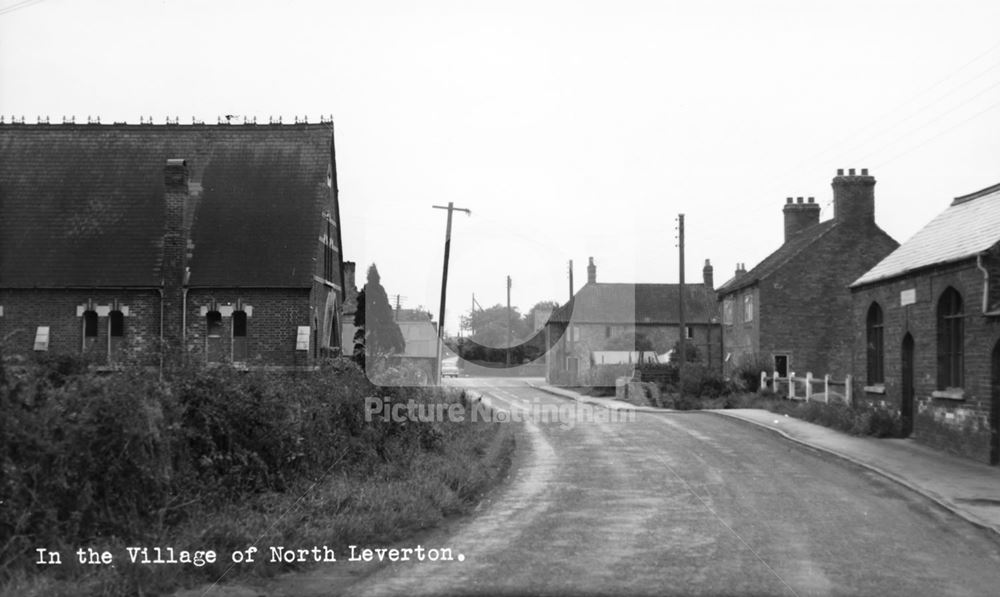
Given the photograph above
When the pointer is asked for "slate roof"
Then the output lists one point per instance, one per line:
(637, 304)
(970, 225)
(83, 205)
(799, 242)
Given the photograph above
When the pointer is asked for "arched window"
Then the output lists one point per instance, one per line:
(876, 356)
(116, 320)
(213, 340)
(89, 329)
(90, 324)
(950, 337)
(239, 336)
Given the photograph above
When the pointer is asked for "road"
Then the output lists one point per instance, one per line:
(690, 504)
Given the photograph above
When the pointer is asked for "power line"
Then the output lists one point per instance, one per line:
(18, 6)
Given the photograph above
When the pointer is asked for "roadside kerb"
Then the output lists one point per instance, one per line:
(933, 497)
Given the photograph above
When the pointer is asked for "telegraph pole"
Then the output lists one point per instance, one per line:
(444, 280)
(509, 332)
(682, 343)
(570, 278)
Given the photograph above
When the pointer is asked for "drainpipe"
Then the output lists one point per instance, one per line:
(986, 283)
(160, 290)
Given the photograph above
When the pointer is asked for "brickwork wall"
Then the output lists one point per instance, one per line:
(271, 329)
(25, 310)
(806, 305)
(956, 426)
(741, 337)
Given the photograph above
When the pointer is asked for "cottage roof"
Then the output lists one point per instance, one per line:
(798, 243)
(970, 225)
(83, 205)
(637, 304)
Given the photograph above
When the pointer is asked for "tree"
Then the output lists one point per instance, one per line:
(489, 326)
(540, 307)
(378, 334)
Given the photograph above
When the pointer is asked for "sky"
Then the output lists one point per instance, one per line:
(570, 129)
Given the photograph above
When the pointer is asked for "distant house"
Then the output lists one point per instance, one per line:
(221, 239)
(793, 309)
(927, 320)
(592, 323)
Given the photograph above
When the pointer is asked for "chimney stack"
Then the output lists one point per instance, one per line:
(799, 216)
(740, 270)
(591, 272)
(176, 176)
(853, 197)
(707, 273)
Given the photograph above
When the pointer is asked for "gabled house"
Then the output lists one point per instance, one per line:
(220, 239)
(793, 309)
(601, 314)
(927, 329)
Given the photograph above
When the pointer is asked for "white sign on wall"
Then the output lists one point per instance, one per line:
(907, 297)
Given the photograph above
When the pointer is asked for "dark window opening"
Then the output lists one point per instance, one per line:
(213, 320)
(876, 356)
(239, 324)
(90, 324)
(950, 337)
(117, 322)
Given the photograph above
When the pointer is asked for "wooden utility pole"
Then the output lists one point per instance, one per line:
(570, 278)
(509, 331)
(682, 343)
(444, 281)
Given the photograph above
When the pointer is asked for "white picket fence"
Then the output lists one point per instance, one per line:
(802, 388)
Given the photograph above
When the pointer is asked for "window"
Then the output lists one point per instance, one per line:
(876, 358)
(90, 324)
(950, 336)
(213, 336)
(239, 336)
(727, 311)
(89, 329)
(607, 331)
(748, 308)
(42, 338)
(690, 332)
(116, 321)
(328, 266)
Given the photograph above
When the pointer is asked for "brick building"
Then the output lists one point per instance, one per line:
(794, 308)
(601, 312)
(927, 329)
(223, 239)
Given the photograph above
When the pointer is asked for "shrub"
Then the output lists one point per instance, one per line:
(747, 372)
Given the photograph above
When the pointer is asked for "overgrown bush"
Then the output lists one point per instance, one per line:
(747, 372)
(87, 458)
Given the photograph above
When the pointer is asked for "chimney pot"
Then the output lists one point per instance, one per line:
(864, 172)
(798, 199)
(708, 275)
(850, 172)
(840, 171)
(789, 200)
(812, 200)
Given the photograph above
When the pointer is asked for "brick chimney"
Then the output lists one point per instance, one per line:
(175, 245)
(799, 216)
(853, 197)
(708, 274)
(591, 272)
(741, 269)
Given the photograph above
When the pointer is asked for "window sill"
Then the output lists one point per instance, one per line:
(875, 389)
(949, 394)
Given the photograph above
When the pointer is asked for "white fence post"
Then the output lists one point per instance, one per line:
(791, 385)
(826, 388)
(763, 380)
(809, 385)
(849, 393)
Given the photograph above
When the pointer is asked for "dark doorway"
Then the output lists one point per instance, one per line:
(995, 406)
(781, 365)
(906, 400)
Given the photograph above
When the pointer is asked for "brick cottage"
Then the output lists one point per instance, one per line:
(793, 309)
(118, 239)
(927, 321)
